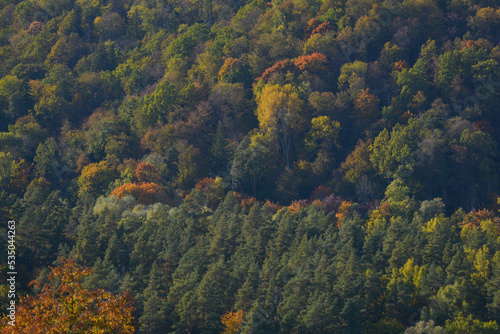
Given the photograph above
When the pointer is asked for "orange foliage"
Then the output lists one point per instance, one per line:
(213, 190)
(400, 65)
(63, 306)
(311, 25)
(367, 104)
(273, 206)
(469, 44)
(343, 210)
(315, 62)
(282, 65)
(298, 206)
(229, 64)
(35, 27)
(205, 184)
(145, 172)
(473, 219)
(233, 322)
(246, 201)
(145, 193)
(322, 29)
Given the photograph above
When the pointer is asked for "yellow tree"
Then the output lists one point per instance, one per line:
(95, 178)
(233, 322)
(64, 306)
(324, 132)
(279, 112)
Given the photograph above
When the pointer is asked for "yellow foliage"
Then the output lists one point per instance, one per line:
(279, 107)
(232, 321)
(64, 306)
(95, 177)
(376, 221)
(430, 226)
(480, 259)
(410, 275)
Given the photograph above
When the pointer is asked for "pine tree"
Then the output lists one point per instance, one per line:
(153, 319)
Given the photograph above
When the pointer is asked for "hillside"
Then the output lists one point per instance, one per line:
(293, 166)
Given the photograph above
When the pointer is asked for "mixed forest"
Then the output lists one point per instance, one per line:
(216, 166)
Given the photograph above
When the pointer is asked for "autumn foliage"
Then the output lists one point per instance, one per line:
(280, 66)
(230, 68)
(144, 193)
(322, 29)
(96, 177)
(213, 190)
(315, 62)
(64, 306)
(232, 321)
(145, 172)
(344, 209)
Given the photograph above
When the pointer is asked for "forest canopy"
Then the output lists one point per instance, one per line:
(299, 166)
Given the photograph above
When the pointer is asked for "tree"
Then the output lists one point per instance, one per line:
(95, 178)
(366, 108)
(251, 159)
(158, 105)
(146, 172)
(232, 321)
(468, 324)
(315, 63)
(280, 114)
(64, 306)
(145, 193)
(323, 134)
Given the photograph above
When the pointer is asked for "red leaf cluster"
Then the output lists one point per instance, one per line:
(315, 62)
(322, 29)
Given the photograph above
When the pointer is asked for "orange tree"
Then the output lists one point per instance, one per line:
(145, 193)
(64, 306)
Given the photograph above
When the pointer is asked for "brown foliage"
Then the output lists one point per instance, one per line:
(145, 172)
(321, 192)
(485, 126)
(311, 25)
(322, 29)
(205, 184)
(35, 27)
(64, 306)
(367, 105)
